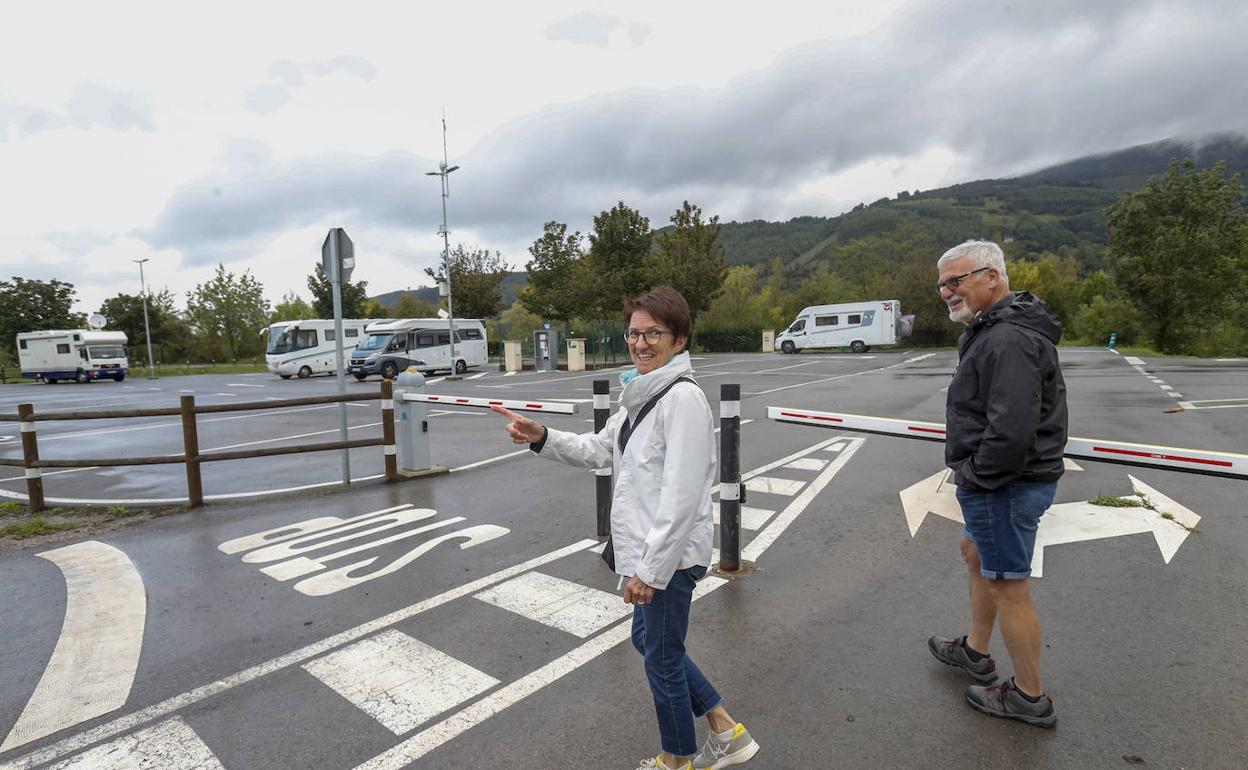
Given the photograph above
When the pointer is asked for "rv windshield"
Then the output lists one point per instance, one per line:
(106, 351)
(279, 340)
(374, 342)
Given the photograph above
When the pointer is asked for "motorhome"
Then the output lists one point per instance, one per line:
(304, 348)
(854, 325)
(423, 343)
(75, 354)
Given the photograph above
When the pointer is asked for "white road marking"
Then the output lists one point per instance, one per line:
(1133, 360)
(1175, 394)
(774, 486)
(122, 724)
(1166, 387)
(399, 681)
(225, 394)
(807, 464)
(170, 745)
(241, 385)
(92, 666)
(580, 610)
(751, 518)
(434, 381)
(476, 376)
(509, 374)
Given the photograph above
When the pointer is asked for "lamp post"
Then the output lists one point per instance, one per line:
(147, 329)
(444, 171)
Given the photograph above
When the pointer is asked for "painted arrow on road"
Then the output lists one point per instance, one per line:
(1169, 522)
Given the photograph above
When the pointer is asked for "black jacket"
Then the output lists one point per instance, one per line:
(1005, 414)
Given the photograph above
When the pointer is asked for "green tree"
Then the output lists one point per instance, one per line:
(170, 335)
(1176, 247)
(28, 305)
(557, 287)
(618, 248)
(228, 312)
(291, 308)
(475, 278)
(408, 305)
(374, 309)
(689, 259)
(354, 296)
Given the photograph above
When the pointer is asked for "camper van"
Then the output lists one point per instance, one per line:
(854, 325)
(76, 354)
(304, 348)
(425, 343)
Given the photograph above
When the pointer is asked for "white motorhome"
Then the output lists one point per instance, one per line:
(304, 348)
(854, 325)
(74, 354)
(424, 343)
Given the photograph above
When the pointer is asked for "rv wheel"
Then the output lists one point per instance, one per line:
(361, 376)
(119, 377)
(284, 376)
(305, 372)
(461, 366)
(857, 346)
(787, 346)
(50, 380)
(82, 377)
(389, 371)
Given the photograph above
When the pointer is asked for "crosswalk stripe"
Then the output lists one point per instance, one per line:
(168, 745)
(774, 486)
(807, 464)
(562, 604)
(398, 680)
(751, 518)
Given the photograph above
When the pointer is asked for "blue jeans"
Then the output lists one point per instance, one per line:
(1002, 523)
(680, 691)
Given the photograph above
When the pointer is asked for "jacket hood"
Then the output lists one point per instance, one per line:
(638, 390)
(1022, 308)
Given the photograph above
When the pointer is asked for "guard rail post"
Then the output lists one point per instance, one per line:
(731, 491)
(387, 430)
(190, 447)
(602, 476)
(30, 455)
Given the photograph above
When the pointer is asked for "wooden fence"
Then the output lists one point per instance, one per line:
(191, 457)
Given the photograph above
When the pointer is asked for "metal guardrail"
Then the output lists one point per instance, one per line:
(27, 417)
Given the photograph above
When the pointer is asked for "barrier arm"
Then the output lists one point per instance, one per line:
(1202, 461)
(548, 407)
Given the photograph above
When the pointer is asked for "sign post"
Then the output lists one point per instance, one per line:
(338, 260)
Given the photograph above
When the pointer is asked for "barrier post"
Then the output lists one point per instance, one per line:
(30, 455)
(190, 447)
(730, 489)
(602, 476)
(387, 430)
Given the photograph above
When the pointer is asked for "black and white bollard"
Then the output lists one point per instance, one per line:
(602, 476)
(730, 488)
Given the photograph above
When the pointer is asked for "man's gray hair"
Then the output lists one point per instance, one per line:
(982, 254)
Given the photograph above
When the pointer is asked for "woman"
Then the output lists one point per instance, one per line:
(661, 525)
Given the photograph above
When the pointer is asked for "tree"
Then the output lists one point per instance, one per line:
(408, 305)
(228, 312)
(557, 289)
(475, 278)
(28, 305)
(1174, 247)
(170, 335)
(374, 309)
(291, 308)
(618, 248)
(354, 295)
(688, 258)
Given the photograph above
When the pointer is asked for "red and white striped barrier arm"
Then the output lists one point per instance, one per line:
(1203, 461)
(485, 403)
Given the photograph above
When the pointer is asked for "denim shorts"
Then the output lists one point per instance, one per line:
(1002, 523)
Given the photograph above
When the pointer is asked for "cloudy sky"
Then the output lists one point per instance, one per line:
(240, 132)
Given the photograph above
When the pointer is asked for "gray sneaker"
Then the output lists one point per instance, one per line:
(952, 652)
(736, 750)
(1003, 700)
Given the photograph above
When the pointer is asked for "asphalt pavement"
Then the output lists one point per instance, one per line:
(466, 619)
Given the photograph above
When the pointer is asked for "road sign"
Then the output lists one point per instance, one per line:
(339, 270)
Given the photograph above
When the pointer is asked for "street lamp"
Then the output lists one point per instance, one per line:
(147, 329)
(443, 172)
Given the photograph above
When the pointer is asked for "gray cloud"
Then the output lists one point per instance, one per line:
(595, 30)
(90, 105)
(285, 76)
(1007, 88)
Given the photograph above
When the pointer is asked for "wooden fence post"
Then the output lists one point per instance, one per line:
(30, 455)
(190, 446)
(387, 430)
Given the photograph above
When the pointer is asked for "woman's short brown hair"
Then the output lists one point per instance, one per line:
(666, 305)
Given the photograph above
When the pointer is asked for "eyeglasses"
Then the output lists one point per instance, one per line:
(652, 337)
(953, 283)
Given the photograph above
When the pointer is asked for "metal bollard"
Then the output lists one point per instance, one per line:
(730, 488)
(30, 455)
(415, 457)
(602, 476)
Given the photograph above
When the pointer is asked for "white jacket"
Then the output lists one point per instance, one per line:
(661, 517)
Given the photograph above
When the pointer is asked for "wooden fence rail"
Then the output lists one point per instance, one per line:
(190, 456)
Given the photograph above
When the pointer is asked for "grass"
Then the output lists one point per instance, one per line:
(138, 370)
(12, 508)
(36, 526)
(1116, 502)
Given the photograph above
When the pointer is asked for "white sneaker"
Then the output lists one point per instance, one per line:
(738, 749)
(657, 764)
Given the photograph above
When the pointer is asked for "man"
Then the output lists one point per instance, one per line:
(1006, 431)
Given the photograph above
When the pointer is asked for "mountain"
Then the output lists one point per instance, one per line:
(510, 287)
